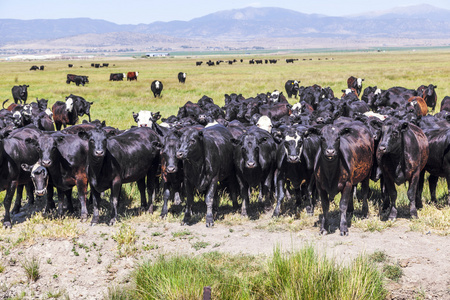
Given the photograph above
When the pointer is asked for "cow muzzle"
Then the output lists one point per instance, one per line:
(330, 154)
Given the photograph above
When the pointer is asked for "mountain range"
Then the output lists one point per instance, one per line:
(251, 23)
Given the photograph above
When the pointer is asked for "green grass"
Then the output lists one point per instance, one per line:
(31, 268)
(301, 275)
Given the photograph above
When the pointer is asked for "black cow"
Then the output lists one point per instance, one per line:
(41, 68)
(113, 160)
(171, 170)
(255, 161)
(156, 88)
(70, 65)
(207, 155)
(402, 154)
(78, 79)
(20, 93)
(15, 151)
(182, 77)
(355, 83)
(291, 60)
(34, 68)
(292, 87)
(295, 164)
(116, 76)
(65, 158)
(80, 104)
(428, 93)
(344, 159)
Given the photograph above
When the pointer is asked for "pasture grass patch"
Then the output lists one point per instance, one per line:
(126, 239)
(31, 268)
(392, 271)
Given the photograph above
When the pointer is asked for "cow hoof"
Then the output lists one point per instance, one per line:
(7, 225)
(209, 221)
(83, 218)
(150, 209)
(208, 225)
(344, 233)
(112, 222)
(244, 213)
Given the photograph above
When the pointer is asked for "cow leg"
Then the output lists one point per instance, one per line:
(151, 190)
(365, 193)
(325, 207)
(346, 198)
(50, 204)
(82, 192)
(412, 193)
(209, 198)
(61, 197)
(280, 194)
(141, 188)
(432, 182)
(29, 187)
(166, 196)
(312, 197)
(18, 202)
(95, 202)
(189, 201)
(115, 194)
(391, 197)
(7, 203)
(418, 198)
(68, 194)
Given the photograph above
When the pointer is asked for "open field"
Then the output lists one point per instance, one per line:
(81, 262)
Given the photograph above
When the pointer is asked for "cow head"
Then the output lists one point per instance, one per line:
(265, 123)
(293, 145)
(169, 159)
(97, 142)
(330, 140)
(249, 144)
(191, 143)
(69, 104)
(39, 177)
(391, 136)
(145, 118)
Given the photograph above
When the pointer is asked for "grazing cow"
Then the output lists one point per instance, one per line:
(132, 76)
(291, 60)
(82, 106)
(355, 83)
(70, 65)
(41, 68)
(198, 63)
(344, 159)
(131, 156)
(20, 93)
(15, 151)
(116, 76)
(428, 93)
(78, 79)
(156, 88)
(255, 161)
(182, 77)
(292, 87)
(402, 154)
(34, 68)
(207, 155)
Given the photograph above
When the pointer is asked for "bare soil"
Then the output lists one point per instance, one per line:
(85, 267)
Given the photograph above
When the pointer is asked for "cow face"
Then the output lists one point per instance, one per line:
(391, 137)
(265, 123)
(293, 146)
(143, 118)
(169, 160)
(330, 142)
(97, 141)
(39, 177)
(69, 104)
(190, 144)
(47, 149)
(250, 151)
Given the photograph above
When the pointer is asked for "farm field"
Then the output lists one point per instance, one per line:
(82, 262)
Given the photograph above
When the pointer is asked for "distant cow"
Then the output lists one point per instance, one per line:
(132, 76)
(78, 79)
(182, 77)
(20, 93)
(116, 76)
(41, 68)
(428, 93)
(292, 87)
(70, 65)
(156, 88)
(34, 68)
(198, 63)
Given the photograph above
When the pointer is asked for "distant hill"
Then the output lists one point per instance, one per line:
(413, 22)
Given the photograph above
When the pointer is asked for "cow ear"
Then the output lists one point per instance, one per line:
(31, 141)
(404, 126)
(83, 135)
(235, 142)
(26, 167)
(435, 86)
(312, 131)
(156, 116)
(91, 102)
(135, 115)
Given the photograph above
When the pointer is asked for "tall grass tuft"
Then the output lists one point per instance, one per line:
(31, 268)
(300, 275)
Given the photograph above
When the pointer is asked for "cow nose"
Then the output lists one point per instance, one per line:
(293, 157)
(382, 148)
(46, 163)
(98, 152)
(180, 154)
(320, 120)
(171, 169)
(330, 152)
(251, 164)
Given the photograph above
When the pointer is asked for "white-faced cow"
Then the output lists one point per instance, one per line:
(157, 88)
(182, 77)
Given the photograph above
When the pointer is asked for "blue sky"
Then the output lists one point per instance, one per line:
(148, 11)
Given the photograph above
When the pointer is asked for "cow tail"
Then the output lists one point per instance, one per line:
(3, 104)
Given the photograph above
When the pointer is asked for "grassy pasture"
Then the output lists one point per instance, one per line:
(115, 101)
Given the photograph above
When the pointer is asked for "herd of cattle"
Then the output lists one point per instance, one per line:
(320, 146)
(252, 61)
